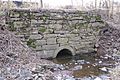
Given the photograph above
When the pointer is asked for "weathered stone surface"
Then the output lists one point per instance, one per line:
(62, 40)
(72, 35)
(36, 37)
(50, 47)
(53, 28)
(67, 35)
(61, 32)
(18, 24)
(75, 39)
(35, 31)
(77, 18)
(51, 41)
(49, 53)
(58, 27)
(40, 54)
(41, 42)
(78, 46)
(97, 24)
(74, 42)
(46, 36)
(38, 48)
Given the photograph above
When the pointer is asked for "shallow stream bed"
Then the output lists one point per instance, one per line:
(86, 67)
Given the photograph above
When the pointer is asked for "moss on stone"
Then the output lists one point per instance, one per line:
(83, 25)
(42, 29)
(11, 27)
(87, 18)
(98, 17)
(23, 29)
(44, 18)
(32, 16)
(31, 43)
(21, 14)
(27, 36)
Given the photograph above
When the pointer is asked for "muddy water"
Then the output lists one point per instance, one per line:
(86, 65)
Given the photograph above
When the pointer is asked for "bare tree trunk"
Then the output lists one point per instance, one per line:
(95, 4)
(41, 1)
(82, 4)
(8, 4)
(0, 4)
(112, 8)
(100, 5)
(108, 7)
(117, 7)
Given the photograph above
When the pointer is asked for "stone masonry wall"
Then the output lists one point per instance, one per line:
(48, 31)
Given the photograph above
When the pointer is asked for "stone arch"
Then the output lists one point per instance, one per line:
(64, 48)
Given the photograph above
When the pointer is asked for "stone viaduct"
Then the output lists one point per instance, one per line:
(49, 32)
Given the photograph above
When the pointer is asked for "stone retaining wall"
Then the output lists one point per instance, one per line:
(49, 31)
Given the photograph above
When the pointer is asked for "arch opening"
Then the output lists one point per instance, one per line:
(64, 53)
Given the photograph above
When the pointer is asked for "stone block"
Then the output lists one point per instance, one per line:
(77, 18)
(98, 24)
(36, 37)
(15, 19)
(90, 49)
(50, 47)
(41, 42)
(49, 53)
(34, 21)
(34, 31)
(62, 40)
(59, 21)
(49, 31)
(62, 35)
(38, 48)
(74, 42)
(75, 39)
(40, 54)
(46, 36)
(61, 32)
(65, 44)
(45, 53)
(51, 41)
(78, 46)
(75, 21)
(18, 24)
(82, 51)
(90, 38)
(57, 27)
(67, 35)
(20, 36)
(85, 43)
(51, 26)
(92, 20)
(15, 15)
(75, 31)
(72, 35)
(40, 21)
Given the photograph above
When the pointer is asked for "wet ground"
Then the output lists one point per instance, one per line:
(86, 67)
